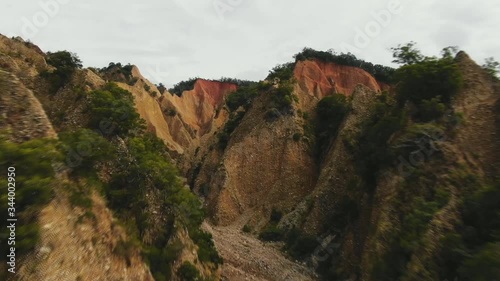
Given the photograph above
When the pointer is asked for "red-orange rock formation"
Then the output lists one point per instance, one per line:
(321, 79)
(198, 107)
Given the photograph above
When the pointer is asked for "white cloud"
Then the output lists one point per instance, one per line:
(245, 38)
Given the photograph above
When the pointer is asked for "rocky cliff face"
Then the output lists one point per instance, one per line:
(197, 112)
(321, 79)
(74, 242)
(181, 121)
(22, 114)
(269, 166)
(479, 103)
(66, 241)
(263, 167)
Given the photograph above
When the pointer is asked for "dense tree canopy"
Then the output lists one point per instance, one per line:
(492, 66)
(407, 54)
(112, 111)
(65, 64)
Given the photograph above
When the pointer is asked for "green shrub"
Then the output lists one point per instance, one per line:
(300, 245)
(296, 137)
(113, 112)
(484, 265)
(80, 199)
(427, 83)
(492, 67)
(272, 115)
(481, 212)
(240, 83)
(161, 88)
(233, 122)
(427, 80)
(282, 97)
(243, 97)
(35, 178)
(171, 112)
(188, 272)
(407, 54)
(429, 110)
(188, 85)
(276, 216)
(416, 136)
(345, 213)
(403, 242)
(59, 117)
(283, 72)
(331, 111)
(118, 68)
(161, 257)
(271, 233)
(451, 256)
(147, 167)
(206, 246)
(416, 223)
(65, 64)
(182, 86)
(84, 148)
(247, 228)
(374, 151)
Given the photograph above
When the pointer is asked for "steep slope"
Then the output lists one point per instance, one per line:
(149, 109)
(77, 236)
(270, 167)
(321, 78)
(180, 121)
(247, 258)
(384, 195)
(67, 240)
(479, 138)
(263, 167)
(262, 164)
(199, 107)
(72, 249)
(460, 163)
(23, 59)
(339, 169)
(22, 114)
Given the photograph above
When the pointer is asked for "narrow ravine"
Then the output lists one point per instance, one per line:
(248, 258)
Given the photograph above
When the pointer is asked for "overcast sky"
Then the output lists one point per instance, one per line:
(172, 40)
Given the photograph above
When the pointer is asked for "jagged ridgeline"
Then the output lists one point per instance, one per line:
(103, 157)
(391, 183)
(357, 171)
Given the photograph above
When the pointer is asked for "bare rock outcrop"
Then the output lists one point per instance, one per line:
(20, 111)
(321, 79)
